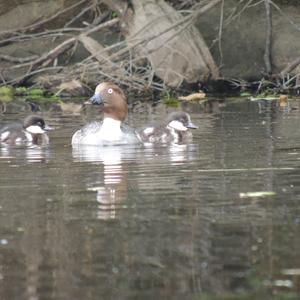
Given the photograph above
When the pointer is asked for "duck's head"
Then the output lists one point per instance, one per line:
(113, 100)
(35, 124)
(180, 121)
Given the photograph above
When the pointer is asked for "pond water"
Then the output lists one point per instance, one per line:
(216, 219)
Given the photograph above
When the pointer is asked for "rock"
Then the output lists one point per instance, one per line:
(243, 38)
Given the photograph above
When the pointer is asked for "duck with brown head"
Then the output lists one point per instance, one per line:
(110, 131)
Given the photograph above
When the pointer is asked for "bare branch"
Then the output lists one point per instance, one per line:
(268, 49)
(13, 59)
(291, 66)
(220, 32)
(38, 24)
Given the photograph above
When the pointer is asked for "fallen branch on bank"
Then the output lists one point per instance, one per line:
(35, 26)
(290, 67)
(122, 61)
(47, 58)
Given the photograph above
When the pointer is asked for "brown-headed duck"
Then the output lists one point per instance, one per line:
(111, 131)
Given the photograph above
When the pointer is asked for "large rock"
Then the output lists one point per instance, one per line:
(243, 39)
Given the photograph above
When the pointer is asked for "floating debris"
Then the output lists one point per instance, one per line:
(193, 97)
(283, 283)
(245, 94)
(261, 97)
(293, 272)
(257, 194)
(20, 229)
(279, 283)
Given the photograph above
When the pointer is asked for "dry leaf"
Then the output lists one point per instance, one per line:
(193, 97)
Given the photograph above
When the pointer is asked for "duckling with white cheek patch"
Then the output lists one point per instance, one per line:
(111, 131)
(31, 131)
(175, 130)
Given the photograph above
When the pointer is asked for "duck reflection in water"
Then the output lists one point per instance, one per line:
(179, 154)
(33, 154)
(111, 191)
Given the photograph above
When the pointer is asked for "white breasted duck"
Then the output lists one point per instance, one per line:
(31, 132)
(174, 130)
(111, 131)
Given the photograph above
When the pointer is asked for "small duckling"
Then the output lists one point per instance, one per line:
(175, 130)
(31, 131)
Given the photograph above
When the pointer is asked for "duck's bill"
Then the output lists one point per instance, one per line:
(192, 126)
(48, 128)
(96, 99)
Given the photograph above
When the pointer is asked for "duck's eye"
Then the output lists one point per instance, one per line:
(110, 91)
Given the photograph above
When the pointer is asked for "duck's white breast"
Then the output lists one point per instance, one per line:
(103, 133)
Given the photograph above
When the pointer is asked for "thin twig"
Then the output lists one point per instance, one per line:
(45, 34)
(35, 25)
(220, 32)
(138, 41)
(290, 66)
(186, 21)
(20, 79)
(65, 45)
(52, 54)
(48, 57)
(285, 15)
(232, 18)
(268, 49)
(81, 13)
(286, 83)
(14, 59)
(121, 65)
(126, 47)
(2, 78)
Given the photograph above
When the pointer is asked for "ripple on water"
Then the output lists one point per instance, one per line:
(155, 221)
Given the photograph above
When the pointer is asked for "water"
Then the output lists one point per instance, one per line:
(156, 222)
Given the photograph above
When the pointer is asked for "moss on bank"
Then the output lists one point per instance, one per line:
(9, 93)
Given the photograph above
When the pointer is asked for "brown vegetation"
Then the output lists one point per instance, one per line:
(140, 44)
(161, 44)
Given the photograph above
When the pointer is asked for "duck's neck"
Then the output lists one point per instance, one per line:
(111, 129)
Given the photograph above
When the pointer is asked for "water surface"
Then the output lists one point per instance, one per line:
(171, 222)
